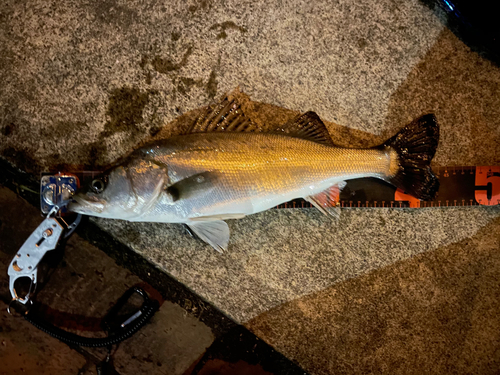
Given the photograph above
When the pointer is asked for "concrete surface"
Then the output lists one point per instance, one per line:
(88, 80)
(82, 83)
(24, 350)
(435, 313)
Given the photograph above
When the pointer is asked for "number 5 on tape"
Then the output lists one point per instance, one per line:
(487, 189)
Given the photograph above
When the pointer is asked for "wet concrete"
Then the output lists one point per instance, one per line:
(67, 67)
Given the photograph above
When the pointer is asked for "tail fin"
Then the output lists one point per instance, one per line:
(416, 145)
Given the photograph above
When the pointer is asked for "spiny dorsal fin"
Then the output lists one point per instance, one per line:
(327, 200)
(224, 116)
(307, 126)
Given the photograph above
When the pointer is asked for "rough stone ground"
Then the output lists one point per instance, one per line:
(84, 82)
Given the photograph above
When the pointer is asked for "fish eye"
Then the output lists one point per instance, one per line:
(98, 186)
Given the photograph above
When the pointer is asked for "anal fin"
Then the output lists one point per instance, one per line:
(327, 200)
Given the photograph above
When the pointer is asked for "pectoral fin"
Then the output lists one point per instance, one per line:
(197, 184)
(327, 200)
(215, 233)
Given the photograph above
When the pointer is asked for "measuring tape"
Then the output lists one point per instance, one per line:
(459, 186)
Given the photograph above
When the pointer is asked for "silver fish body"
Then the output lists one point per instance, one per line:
(203, 178)
(241, 173)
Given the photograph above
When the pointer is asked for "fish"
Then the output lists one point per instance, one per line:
(226, 167)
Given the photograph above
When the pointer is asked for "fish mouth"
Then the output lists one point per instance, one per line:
(84, 205)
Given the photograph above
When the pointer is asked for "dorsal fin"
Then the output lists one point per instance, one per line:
(228, 116)
(307, 126)
(224, 116)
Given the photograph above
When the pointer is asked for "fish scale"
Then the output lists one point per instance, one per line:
(233, 153)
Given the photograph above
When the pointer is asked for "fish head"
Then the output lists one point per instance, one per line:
(107, 195)
(122, 192)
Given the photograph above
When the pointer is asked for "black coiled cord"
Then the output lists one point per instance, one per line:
(148, 309)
